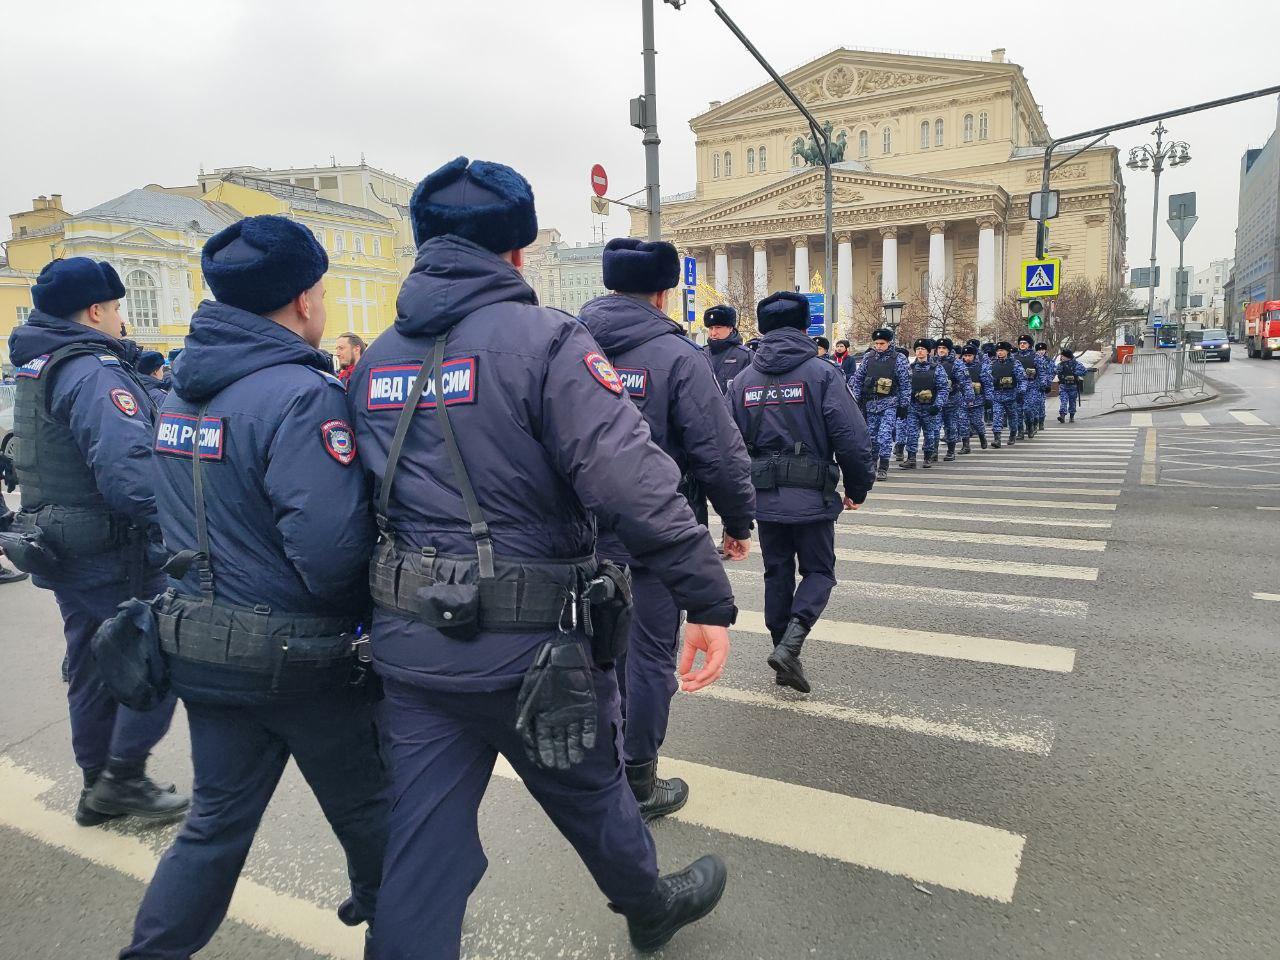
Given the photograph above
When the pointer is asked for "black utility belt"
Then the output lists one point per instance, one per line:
(783, 469)
(75, 531)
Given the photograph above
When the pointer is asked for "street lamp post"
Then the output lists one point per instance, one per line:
(1176, 152)
(892, 310)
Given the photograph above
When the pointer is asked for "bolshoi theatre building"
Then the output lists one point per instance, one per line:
(939, 157)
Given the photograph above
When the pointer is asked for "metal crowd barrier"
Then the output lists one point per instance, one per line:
(1166, 376)
(6, 395)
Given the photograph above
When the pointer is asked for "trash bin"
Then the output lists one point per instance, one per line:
(1090, 381)
(1124, 351)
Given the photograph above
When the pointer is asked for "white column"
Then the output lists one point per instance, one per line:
(937, 268)
(844, 284)
(889, 262)
(722, 269)
(760, 269)
(986, 305)
(802, 263)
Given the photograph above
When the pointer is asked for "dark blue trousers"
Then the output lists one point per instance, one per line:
(100, 727)
(442, 748)
(239, 753)
(647, 672)
(811, 546)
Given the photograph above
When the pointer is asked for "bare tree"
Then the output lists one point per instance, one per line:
(1084, 315)
(739, 293)
(950, 314)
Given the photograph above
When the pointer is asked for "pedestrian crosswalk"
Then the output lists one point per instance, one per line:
(1217, 417)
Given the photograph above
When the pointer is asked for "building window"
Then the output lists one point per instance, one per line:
(968, 128)
(728, 164)
(338, 244)
(377, 246)
(864, 145)
(938, 132)
(357, 243)
(982, 125)
(140, 299)
(924, 135)
(751, 160)
(23, 313)
(886, 141)
(764, 165)
(715, 167)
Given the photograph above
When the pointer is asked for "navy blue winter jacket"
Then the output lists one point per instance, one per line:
(728, 358)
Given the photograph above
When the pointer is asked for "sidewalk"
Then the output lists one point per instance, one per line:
(1106, 394)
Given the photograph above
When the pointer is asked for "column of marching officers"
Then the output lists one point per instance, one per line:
(517, 568)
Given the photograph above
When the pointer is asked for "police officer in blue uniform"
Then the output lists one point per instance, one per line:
(148, 365)
(87, 526)
(979, 390)
(1070, 373)
(805, 435)
(954, 412)
(1031, 399)
(259, 489)
(930, 391)
(724, 344)
(882, 386)
(1045, 381)
(495, 625)
(667, 376)
(900, 428)
(1009, 384)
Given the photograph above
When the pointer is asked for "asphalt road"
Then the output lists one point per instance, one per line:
(1045, 723)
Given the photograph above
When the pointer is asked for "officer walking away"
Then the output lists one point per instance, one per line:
(980, 389)
(149, 367)
(667, 376)
(724, 344)
(1070, 372)
(1029, 402)
(882, 386)
(348, 351)
(1009, 382)
(495, 625)
(954, 411)
(254, 459)
(930, 391)
(87, 526)
(805, 434)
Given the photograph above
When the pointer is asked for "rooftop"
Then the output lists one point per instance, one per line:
(304, 198)
(162, 209)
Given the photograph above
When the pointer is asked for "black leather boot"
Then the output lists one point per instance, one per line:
(909, 463)
(929, 459)
(995, 441)
(1011, 438)
(657, 797)
(964, 447)
(951, 452)
(679, 900)
(84, 816)
(1073, 418)
(785, 659)
(125, 790)
(882, 469)
(1061, 418)
(982, 439)
(899, 451)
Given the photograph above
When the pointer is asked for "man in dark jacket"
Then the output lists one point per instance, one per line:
(843, 359)
(667, 376)
(149, 366)
(83, 429)
(804, 433)
(513, 430)
(282, 512)
(724, 344)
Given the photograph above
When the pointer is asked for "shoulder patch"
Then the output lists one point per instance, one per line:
(635, 380)
(774, 393)
(340, 440)
(125, 402)
(604, 374)
(108, 360)
(176, 436)
(34, 367)
(389, 385)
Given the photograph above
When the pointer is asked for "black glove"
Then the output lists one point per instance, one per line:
(556, 708)
(934, 410)
(902, 413)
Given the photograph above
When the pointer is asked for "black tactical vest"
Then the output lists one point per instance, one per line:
(1067, 375)
(1029, 368)
(880, 378)
(1002, 374)
(924, 383)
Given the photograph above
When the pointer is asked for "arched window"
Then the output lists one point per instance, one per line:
(140, 299)
(886, 141)
(715, 166)
(924, 135)
(751, 160)
(968, 128)
(728, 164)
(982, 125)
(764, 160)
(938, 132)
(864, 145)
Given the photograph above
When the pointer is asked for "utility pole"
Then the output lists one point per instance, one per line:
(653, 192)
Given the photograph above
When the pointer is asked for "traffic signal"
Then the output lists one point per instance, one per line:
(1035, 314)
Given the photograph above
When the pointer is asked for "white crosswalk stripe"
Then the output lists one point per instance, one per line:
(992, 502)
(1250, 419)
(870, 529)
(876, 510)
(1007, 568)
(1037, 476)
(1195, 420)
(1140, 419)
(938, 483)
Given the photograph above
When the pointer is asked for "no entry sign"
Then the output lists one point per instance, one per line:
(599, 180)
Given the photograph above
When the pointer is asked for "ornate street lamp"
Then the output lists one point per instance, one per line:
(1154, 157)
(892, 313)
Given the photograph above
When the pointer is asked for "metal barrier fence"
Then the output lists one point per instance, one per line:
(1169, 375)
(6, 395)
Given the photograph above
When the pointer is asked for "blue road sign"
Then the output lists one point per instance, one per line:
(690, 272)
(1040, 278)
(817, 313)
(690, 314)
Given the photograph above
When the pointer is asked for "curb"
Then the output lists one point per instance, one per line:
(1160, 406)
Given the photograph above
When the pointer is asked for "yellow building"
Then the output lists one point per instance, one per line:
(930, 198)
(153, 237)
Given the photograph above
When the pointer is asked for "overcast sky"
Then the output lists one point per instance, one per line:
(98, 98)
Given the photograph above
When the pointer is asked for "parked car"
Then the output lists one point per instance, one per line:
(6, 417)
(1213, 344)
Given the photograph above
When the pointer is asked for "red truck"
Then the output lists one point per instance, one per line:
(1262, 329)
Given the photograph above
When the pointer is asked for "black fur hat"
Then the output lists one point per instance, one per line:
(489, 204)
(782, 309)
(632, 265)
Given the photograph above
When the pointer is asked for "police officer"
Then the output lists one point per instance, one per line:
(259, 489)
(955, 410)
(667, 376)
(1070, 373)
(148, 366)
(86, 529)
(930, 391)
(724, 344)
(1045, 381)
(1008, 388)
(988, 356)
(882, 386)
(1032, 397)
(979, 390)
(489, 454)
(805, 434)
(900, 428)
(824, 348)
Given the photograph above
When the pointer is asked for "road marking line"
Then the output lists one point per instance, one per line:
(1267, 596)
(1063, 474)
(1195, 420)
(1037, 476)
(970, 857)
(1140, 419)
(866, 529)
(1019, 456)
(958, 484)
(1004, 567)
(1269, 508)
(874, 510)
(310, 926)
(1245, 417)
(1007, 653)
(993, 502)
(1003, 733)
(1150, 464)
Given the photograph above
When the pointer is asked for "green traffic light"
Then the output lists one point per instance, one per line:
(1034, 323)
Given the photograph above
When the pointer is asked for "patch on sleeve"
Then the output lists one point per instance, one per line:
(634, 380)
(108, 360)
(34, 367)
(389, 385)
(774, 393)
(125, 401)
(604, 373)
(340, 440)
(176, 436)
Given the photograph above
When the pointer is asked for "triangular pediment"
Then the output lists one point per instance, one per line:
(141, 237)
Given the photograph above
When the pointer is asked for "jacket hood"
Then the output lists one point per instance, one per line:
(783, 350)
(227, 344)
(44, 333)
(734, 339)
(620, 323)
(452, 278)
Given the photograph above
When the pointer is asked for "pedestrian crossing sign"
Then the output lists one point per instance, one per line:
(1040, 278)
